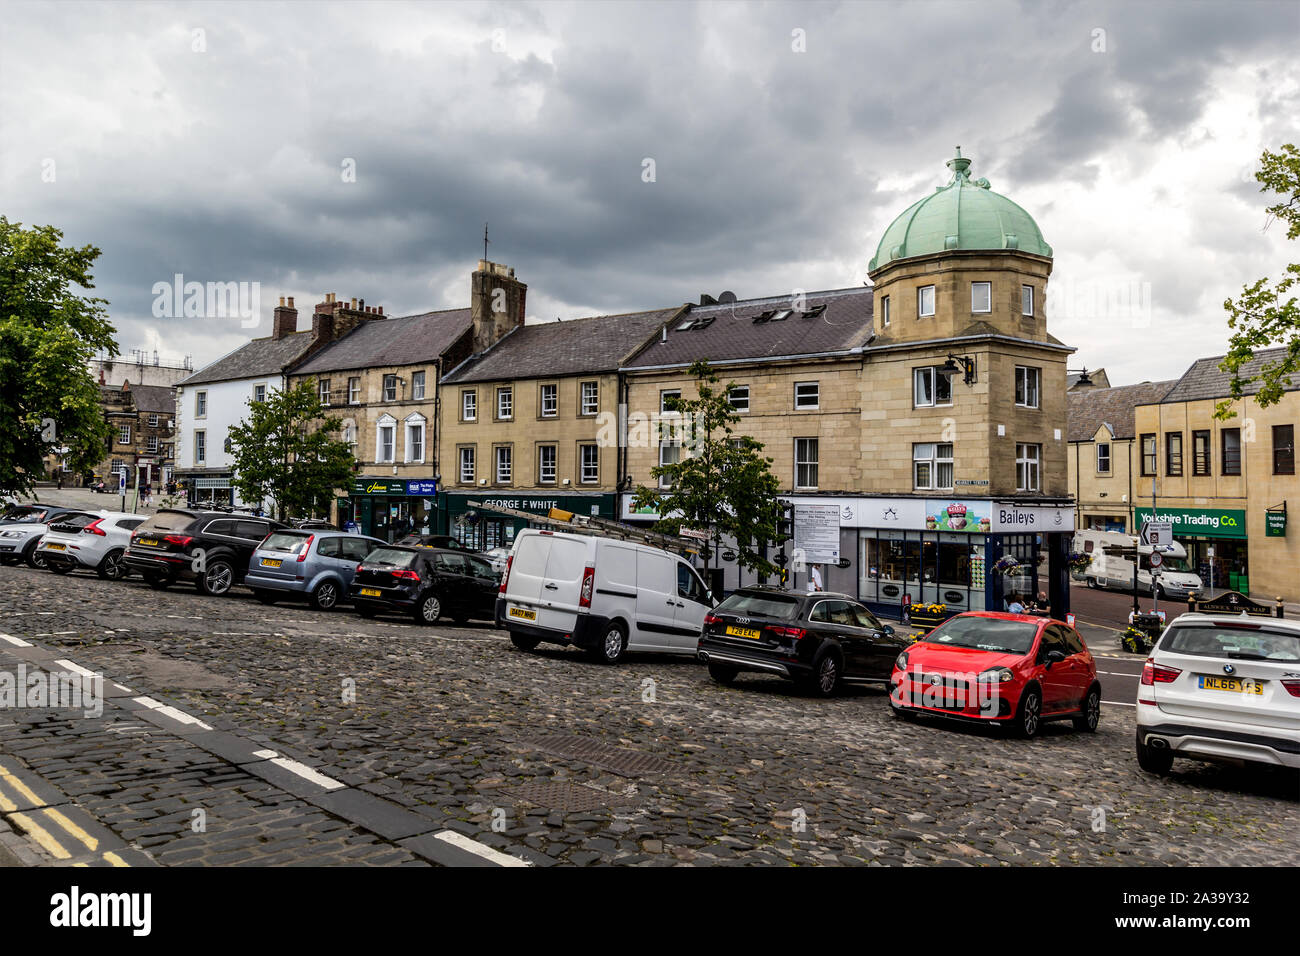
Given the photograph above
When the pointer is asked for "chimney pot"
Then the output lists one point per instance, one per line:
(291, 302)
(354, 302)
(381, 310)
(282, 300)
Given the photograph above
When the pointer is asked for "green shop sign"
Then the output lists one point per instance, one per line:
(1275, 524)
(1208, 522)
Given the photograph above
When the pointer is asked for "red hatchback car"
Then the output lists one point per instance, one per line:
(1016, 670)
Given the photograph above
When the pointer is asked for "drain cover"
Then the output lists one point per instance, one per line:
(566, 797)
(627, 763)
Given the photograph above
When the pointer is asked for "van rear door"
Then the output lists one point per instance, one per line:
(528, 567)
(562, 582)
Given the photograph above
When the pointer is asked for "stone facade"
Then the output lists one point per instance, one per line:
(1104, 498)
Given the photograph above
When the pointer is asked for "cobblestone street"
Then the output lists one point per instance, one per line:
(415, 734)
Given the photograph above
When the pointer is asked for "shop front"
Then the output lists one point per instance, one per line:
(1216, 543)
(483, 529)
(391, 508)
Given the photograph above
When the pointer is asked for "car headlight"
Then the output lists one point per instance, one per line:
(996, 675)
(11, 534)
(901, 663)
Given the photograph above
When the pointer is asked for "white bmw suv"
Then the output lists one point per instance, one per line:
(1221, 687)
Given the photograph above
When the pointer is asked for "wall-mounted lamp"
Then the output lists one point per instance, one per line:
(960, 363)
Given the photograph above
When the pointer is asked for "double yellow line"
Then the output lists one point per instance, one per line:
(53, 820)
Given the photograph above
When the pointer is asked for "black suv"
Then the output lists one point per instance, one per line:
(818, 640)
(211, 548)
(425, 583)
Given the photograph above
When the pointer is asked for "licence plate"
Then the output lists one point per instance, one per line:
(522, 613)
(1236, 685)
(151, 542)
(55, 547)
(271, 562)
(371, 592)
(750, 632)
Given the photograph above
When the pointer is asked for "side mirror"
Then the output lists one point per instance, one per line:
(1054, 657)
(889, 631)
(708, 597)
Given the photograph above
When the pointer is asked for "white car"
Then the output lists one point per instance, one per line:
(1221, 687)
(605, 595)
(21, 530)
(94, 541)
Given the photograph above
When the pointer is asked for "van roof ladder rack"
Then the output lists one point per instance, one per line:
(601, 527)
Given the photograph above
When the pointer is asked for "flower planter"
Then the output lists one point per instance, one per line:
(925, 618)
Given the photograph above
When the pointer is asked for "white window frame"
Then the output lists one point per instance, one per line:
(386, 423)
(800, 401)
(466, 455)
(469, 405)
(933, 373)
(124, 434)
(498, 451)
(323, 390)
(674, 458)
(802, 461)
(986, 287)
(554, 410)
(506, 408)
(151, 445)
(920, 302)
(417, 386)
(354, 390)
(739, 394)
(589, 472)
(259, 393)
(390, 394)
(413, 422)
(201, 404)
(200, 446)
(1100, 446)
(153, 421)
(350, 435)
(884, 312)
(1029, 456)
(930, 454)
(590, 404)
(1029, 289)
(1037, 390)
(542, 469)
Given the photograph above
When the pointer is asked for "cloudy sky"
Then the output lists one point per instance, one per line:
(358, 148)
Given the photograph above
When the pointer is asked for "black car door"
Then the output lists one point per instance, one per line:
(484, 582)
(454, 584)
(827, 619)
(881, 646)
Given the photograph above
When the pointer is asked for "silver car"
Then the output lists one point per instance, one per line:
(318, 565)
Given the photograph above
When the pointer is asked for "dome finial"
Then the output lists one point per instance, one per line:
(959, 166)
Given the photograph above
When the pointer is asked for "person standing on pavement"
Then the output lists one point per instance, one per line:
(814, 579)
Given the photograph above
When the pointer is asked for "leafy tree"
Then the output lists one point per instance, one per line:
(285, 450)
(1266, 313)
(724, 484)
(48, 335)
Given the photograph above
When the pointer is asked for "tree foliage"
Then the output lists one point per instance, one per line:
(285, 450)
(1266, 313)
(48, 335)
(724, 485)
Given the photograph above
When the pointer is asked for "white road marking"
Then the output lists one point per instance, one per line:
(15, 641)
(462, 842)
(77, 668)
(172, 712)
(301, 769)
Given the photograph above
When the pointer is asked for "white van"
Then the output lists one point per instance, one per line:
(602, 594)
(1173, 579)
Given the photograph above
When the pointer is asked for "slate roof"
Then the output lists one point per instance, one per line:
(398, 340)
(1205, 380)
(155, 399)
(730, 332)
(1087, 409)
(264, 356)
(596, 344)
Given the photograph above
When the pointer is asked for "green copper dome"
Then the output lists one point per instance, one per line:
(965, 214)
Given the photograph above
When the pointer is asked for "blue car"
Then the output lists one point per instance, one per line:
(298, 563)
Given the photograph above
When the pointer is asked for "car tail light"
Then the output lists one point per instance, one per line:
(711, 619)
(794, 633)
(180, 540)
(588, 584)
(358, 571)
(505, 575)
(1292, 687)
(306, 547)
(1153, 673)
(93, 528)
(407, 574)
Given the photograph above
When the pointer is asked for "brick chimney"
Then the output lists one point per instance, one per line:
(286, 319)
(496, 303)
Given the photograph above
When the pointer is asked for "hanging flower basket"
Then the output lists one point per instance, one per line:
(1007, 564)
(1079, 561)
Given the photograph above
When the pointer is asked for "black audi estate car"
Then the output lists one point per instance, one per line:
(818, 640)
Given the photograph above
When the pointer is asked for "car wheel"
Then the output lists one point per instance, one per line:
(722, 674)
(1029, 714)
(1158, 762)
(428, 609)
(523, 641)
(112, 568)
(326, 596)
(825, 678)
(157, 581)
(1092, 583)
(612, 644)
(266, 597)
(217, 578)
(34, 558)
(1091, 715)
